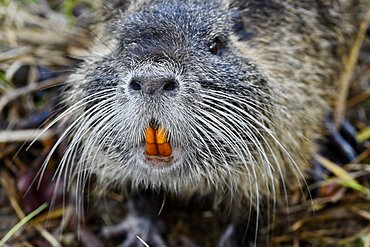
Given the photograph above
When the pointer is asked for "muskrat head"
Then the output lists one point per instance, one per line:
(171, 103)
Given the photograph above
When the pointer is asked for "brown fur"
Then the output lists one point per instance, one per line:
(297, 47)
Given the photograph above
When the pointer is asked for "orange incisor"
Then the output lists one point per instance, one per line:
(156, 142)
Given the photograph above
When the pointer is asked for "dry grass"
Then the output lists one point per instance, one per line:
(39, 44)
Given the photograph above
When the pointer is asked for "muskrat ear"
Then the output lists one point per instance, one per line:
(234, 8)
(238, 26)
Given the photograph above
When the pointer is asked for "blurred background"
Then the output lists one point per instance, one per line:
(41, 41)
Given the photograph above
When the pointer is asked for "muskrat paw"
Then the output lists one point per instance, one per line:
(237, 236)
(341, 144)
(137, 232)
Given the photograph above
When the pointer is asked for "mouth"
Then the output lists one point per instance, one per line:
(158, 150)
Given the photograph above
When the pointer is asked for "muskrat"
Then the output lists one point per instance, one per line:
(220, 99)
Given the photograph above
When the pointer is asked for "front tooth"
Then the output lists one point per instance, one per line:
(149, 135)
(156, 142)
(151, 148)
(150, 145)
(161, 136)
(164, 149)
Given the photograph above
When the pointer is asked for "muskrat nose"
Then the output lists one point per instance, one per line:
(153, 85)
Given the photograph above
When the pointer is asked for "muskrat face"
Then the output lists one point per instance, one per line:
(172, 103)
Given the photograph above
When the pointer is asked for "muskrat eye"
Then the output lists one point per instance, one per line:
(216, 46)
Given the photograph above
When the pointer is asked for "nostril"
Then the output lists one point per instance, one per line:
(170, 85)
(134, 85)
